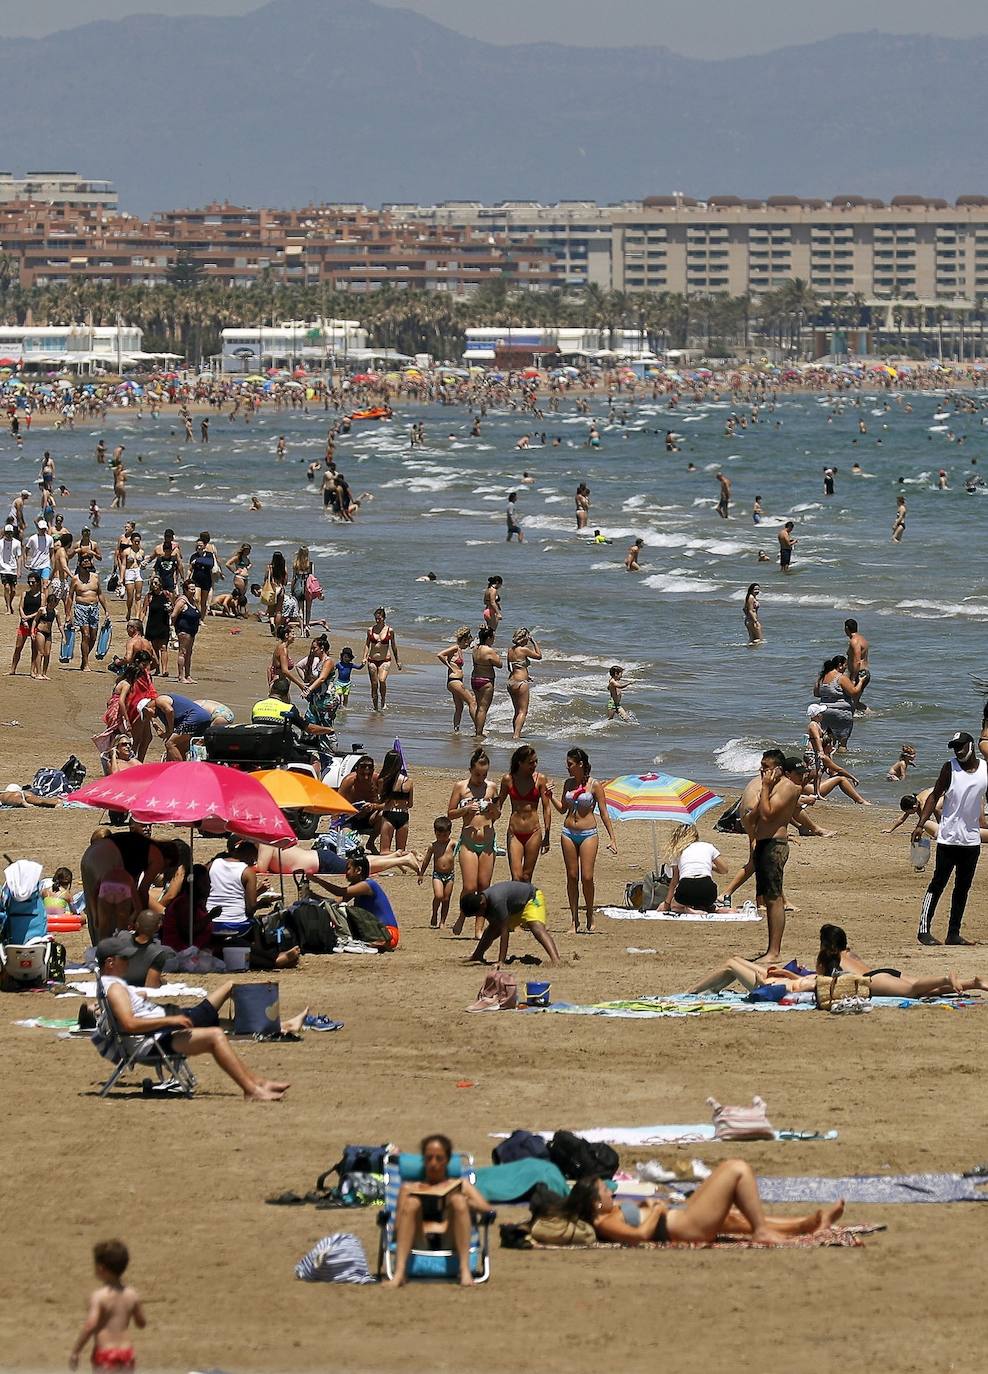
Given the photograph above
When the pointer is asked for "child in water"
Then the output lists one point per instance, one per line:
(440, 855)
(344, 670)
(905, 761)
(615, 690)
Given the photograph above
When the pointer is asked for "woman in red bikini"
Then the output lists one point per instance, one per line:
(526, 789)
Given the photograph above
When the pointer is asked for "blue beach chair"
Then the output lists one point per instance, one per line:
(402, 1168)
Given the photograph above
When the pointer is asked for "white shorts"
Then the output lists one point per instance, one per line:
(131, 576)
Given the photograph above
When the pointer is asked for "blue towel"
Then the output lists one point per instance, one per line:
(514, 1182)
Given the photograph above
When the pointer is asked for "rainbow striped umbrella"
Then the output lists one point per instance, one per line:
(657, 797)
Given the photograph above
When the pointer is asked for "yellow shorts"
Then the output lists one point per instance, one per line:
(533, 913)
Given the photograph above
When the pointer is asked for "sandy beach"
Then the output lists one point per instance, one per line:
(185, 1182)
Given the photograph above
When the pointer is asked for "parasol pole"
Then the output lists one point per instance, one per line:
(192, 886)
(655, 851)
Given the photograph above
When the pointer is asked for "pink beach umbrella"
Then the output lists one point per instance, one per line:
(184, 793)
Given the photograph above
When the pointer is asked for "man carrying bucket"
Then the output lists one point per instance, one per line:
(505, 907)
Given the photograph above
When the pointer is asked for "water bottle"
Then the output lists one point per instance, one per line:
(919, 852)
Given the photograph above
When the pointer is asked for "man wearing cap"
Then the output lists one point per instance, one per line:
(11, 557)
(37, 552)
(961, 784)
(191, 1032)
(15, 516)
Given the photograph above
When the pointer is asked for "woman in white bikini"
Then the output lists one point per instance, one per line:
(583, 796)
(474, 802)
(519, 684)
(452, 660)
(379, 649)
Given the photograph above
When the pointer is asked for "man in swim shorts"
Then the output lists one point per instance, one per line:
(786, 544)
(85, 597)
(778, 802)
(505, 907)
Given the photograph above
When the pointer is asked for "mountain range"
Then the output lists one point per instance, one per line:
(344, 100)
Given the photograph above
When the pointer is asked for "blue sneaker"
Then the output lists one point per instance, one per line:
(321, 1023)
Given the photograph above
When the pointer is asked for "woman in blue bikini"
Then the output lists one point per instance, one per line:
(474, 802)
(582, 801)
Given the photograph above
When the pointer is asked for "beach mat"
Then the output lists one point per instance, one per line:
(650, 1007)
(675, 1134)
(623, 913)
(877, 1188)
(834, 1237)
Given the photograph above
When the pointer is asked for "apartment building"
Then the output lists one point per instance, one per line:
(576, 232)
(344, 248)
(57, 188)
(911, 249)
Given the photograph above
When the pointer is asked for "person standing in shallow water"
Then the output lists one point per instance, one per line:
(752, 623)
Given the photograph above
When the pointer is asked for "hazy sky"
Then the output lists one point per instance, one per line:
(715, 29)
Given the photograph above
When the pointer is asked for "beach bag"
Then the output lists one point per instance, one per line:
(741, 1123)
(309, 926)
(338, 1258)
(646, 893)
(269, 593)
(520, 1145)
(729, 823)
(579, 1158)
(838, 987)
(49, 782)
(365, 926)
(562, 1231)
(313, 587)
(74, 772)
(356, 1159)
(498, 993)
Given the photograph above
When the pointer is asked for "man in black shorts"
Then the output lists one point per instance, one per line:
(786, 544)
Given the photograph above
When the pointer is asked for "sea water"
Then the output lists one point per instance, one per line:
(705, 702)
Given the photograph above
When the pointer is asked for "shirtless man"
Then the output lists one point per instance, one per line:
(724, 502)
(857, 653)
(119, 487)
(60, 575)
(778, 803)
(748, 815)
(83, 604)
(136, 643)
(786, 544)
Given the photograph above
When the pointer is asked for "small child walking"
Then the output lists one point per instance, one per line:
(344, 671)
(112, 1307)
(440, 855)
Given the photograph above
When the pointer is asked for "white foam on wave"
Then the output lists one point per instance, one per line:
(742, 756)
(932, 610)
(668, 583)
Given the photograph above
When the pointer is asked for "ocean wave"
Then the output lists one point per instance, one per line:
(741, 756)
(666, 582)
(929, 610)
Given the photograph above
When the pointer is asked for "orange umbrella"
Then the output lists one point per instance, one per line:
(302, 792)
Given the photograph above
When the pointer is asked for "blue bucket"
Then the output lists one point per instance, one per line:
(537, 994)
(255, 1009)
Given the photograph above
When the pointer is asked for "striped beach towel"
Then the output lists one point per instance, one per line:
(338, 1258)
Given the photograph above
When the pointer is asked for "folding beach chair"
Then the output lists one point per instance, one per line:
(129, 1052)
(402, 1168)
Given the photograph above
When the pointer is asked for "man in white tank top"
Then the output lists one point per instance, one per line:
(962, 784)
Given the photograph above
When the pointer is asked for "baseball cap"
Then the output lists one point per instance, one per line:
(815, 709)
(961, 741)
(116, 947)
(42, 524)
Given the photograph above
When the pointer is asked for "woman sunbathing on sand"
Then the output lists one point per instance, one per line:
(726, 1203)
(834, 957)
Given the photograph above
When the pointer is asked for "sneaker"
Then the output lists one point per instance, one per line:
(321, 1023)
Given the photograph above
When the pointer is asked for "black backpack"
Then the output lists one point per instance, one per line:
(309, 926)
(520, 1145)
(729, 823)
(579, 1158)
(356, 1159)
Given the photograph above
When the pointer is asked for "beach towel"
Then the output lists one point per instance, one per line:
(872, 1188)
(689, 1134)
(623, 913)
(514, 1182)
(706, 1003)
(167, 992)
(835, 1237)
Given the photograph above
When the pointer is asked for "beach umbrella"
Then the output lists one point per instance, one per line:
(186, 793)
(657, 797)
(301, 792)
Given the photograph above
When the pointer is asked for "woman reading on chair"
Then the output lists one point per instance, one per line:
(435, 1213)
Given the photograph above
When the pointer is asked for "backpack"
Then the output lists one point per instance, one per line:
(356, 1159)
(74, 772)
(520, 1145)
(729, 822)
(309, 926)
(365, 926)
(49, 782)
(579, 1158)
